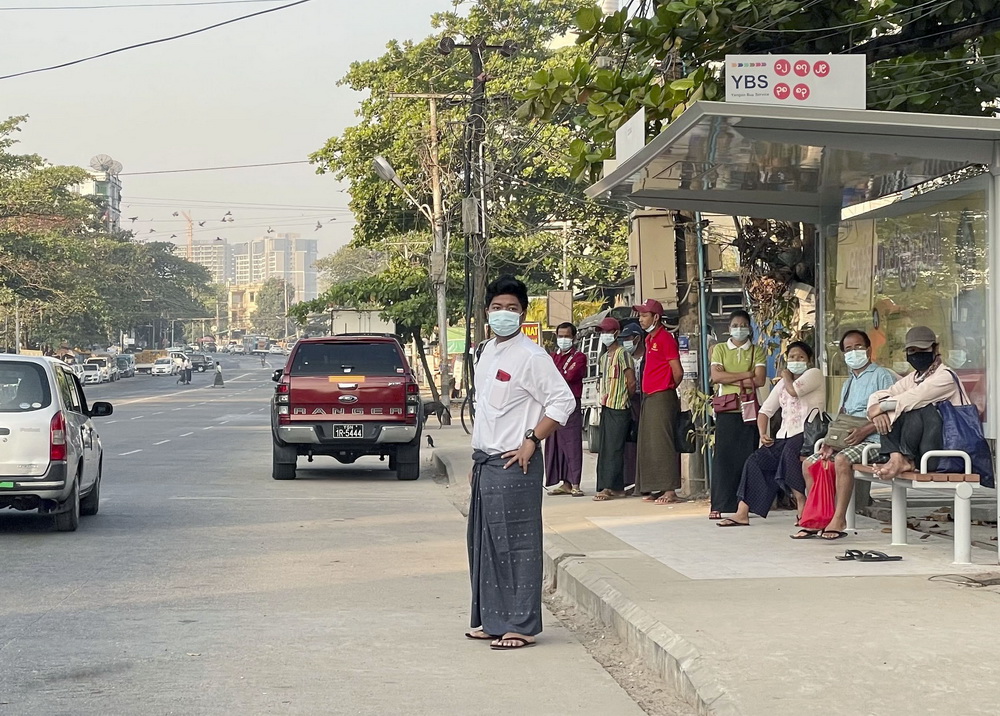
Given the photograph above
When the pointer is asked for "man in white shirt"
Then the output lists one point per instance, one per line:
(521, 399)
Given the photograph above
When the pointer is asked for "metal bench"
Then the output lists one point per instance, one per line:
(960, 482)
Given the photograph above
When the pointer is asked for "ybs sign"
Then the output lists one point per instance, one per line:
(836, 81)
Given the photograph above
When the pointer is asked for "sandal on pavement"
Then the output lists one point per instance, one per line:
(837, 534)
(805, 534)
(484, 637)
(652, 497)
(663, 500)
(577, 492)
(560, 490)
(604, 496)
(729, 522)
(874, 556)
(714, 515)
(519, 643)
(850, 555)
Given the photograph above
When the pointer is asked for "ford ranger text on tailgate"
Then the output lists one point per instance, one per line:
(346, 396)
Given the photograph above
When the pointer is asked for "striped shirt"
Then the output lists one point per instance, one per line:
(614, 387)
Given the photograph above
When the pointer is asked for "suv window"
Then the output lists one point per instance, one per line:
(340, 358)
(67, 390)
(23, 387)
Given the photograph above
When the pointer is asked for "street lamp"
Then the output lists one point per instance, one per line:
(438, 270)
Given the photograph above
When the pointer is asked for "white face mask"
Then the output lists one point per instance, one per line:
(564, 344)
(739, 333)
(856, 359)
(607, 339)
(957, 358)
(651, 328)
(629, 346)
(797, 367)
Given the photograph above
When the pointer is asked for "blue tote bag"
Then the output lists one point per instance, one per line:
(961, 429)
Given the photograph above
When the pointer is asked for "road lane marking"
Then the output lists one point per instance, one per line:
(223, 422)
(137, 417)
(131, 452)
(161, 442)
(159, 413)
(186, 434)
(176, 409)
(208, 427)
(108, 422)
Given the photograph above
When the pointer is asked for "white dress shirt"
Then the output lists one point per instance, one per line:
(516, 384)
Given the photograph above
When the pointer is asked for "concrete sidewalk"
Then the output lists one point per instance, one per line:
(747, 621)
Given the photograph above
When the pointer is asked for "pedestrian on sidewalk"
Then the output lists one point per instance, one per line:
(736, 365)
(658, 475)
(218, 376)
(564, 448)
(521, 399)
(633, 340)
(775, 467)
(616, 387)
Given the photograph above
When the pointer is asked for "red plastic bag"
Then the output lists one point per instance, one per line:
(822, 498)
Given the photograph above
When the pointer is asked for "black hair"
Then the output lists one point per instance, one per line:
(855, 332)
(567, 324)
(806, 348)
(508, 286)
(740, 313)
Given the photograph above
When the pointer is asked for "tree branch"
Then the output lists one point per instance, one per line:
(886, 47)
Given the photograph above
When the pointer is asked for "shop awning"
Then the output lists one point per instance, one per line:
(794, 163)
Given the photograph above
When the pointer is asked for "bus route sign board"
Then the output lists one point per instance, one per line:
(834, 81)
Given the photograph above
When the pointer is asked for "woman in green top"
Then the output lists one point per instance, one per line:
(736, 365)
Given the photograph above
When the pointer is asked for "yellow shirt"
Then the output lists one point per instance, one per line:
(736, 359)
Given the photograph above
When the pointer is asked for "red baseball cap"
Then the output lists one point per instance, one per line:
(649, 306)
(609, 324)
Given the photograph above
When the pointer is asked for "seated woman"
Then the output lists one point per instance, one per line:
(775, 467)
(906, 414)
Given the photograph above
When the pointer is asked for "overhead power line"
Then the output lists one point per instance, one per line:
(154, 42)
(212, 169)
(132, 5)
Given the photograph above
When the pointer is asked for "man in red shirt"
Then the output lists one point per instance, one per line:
(564, 448)
(658, 469)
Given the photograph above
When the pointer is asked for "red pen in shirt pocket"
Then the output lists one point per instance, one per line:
(503, 376)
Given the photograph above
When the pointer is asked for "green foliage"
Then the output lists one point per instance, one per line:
(941, 57)
(72, 281)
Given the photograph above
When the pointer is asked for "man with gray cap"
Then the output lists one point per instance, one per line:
(616, 387)
(905, 414)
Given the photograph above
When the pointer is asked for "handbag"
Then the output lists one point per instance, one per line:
(749, 406)
(840, 428)
(684, 432)
(813, 429)
(962, 430)
(822, 498)
(731, 402)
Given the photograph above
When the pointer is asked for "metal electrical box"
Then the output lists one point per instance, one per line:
(652, 253)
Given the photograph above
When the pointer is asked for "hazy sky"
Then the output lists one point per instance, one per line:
(260, 90)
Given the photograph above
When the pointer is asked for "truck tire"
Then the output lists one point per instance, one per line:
(593, 439)
(69, 519)
(283, 462)
(407, 461)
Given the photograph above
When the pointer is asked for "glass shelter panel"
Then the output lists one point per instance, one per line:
(918, 262)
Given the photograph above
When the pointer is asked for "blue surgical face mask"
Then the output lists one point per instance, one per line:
(564, 344)
(739, 333)
(504, 323)
(797, 367)
(607, 339)
(629, 346)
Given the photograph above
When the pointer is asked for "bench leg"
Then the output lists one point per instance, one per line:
(852, 511)
(963, 523)
(898, 514)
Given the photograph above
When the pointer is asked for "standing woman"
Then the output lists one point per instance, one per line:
(218, 376)
(633, 340)
(736, 365)
(564, 448)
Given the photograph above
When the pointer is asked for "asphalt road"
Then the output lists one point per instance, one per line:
(206, 587)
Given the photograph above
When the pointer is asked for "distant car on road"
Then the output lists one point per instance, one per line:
(55, 463)
(346, 396)
(91, 374)
(200, 362)
(108, 367)
(126, 366)
(164, 366)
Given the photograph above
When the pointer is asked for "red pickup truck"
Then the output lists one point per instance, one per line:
(346, 396)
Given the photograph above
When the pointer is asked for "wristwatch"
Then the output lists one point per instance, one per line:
(530, 435)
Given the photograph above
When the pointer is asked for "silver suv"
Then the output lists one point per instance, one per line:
(50, 454)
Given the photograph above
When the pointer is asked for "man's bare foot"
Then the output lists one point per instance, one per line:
(896, 466)
(479, 635)
(510, 640)
(608, 494)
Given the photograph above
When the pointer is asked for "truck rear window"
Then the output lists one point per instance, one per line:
(23, 387)
(347, 358)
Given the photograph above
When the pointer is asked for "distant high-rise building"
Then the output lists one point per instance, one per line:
(107, 187)
(215, 255)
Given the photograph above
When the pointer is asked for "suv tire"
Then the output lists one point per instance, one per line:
(90, 504)
(283, 460)
(407, 461)
(69, 519)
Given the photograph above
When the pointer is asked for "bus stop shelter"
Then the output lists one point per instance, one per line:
(906, 209)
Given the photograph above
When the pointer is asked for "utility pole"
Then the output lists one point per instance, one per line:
(439, 256)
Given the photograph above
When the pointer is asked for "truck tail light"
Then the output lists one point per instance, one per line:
(412, 389)
(57, 437)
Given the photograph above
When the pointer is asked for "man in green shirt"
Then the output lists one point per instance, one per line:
(617, 385)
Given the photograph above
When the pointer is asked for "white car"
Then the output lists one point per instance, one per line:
(164, 366)
(91, 374)
(54, 464)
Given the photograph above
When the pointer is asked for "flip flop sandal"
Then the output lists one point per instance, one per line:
(668, 501)
(718, 516)
(521, 643)
(838, 535)
(873, 556)
(805, 534)
(485, 637)
(559, 491)
(604, 496)
(652, 497)
(731, 523)
(850, 555)
(577, 492)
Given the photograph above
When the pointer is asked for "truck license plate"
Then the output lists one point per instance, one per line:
(347, 431)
